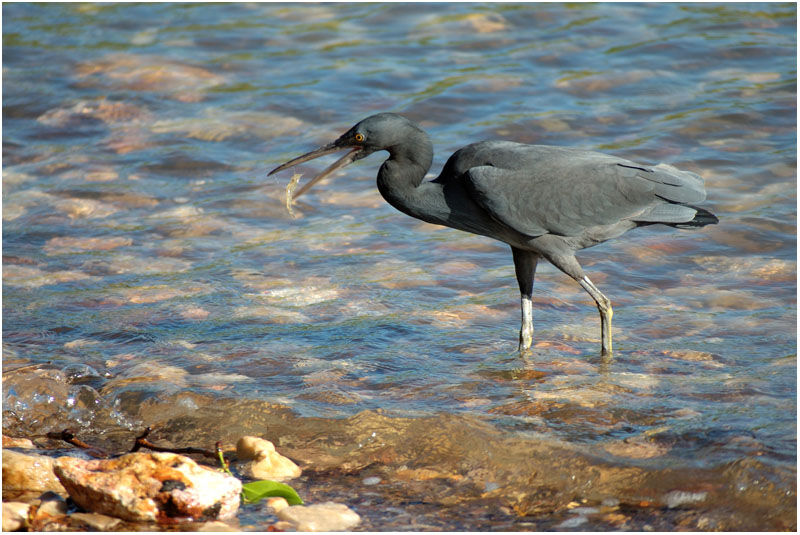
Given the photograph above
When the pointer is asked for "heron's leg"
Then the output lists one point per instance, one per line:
(604, 306)
(525, 268)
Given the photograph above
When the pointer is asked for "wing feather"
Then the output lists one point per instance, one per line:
(537, 189)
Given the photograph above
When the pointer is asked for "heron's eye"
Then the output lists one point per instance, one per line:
(359, 137)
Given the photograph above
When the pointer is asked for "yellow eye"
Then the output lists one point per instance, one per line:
(359, 137)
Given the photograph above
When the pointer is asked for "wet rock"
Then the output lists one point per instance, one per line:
(155, 487)
(65, 244)
(95, 521)
(77, 208)
(262, 461)
(326, 516)
(107, 111)
(636, 448)
(15, 516)
(140, 72)
(216, 126)
(33, 277)
(28, 472)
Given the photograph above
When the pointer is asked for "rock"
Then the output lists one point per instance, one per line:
(217, 526)
(276, 504)
(67, 245)
(29, 472)
(262, 461)
(151, 487)
(51, 504)
(326, 516)
(48, 513)
(95, 521)
(15, 442)
(15, 515)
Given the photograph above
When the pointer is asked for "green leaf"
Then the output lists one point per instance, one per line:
(257, 490)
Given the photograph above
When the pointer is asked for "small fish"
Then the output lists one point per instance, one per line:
(290, 187)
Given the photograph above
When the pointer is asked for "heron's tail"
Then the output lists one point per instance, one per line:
(676, 215)
(702, 218)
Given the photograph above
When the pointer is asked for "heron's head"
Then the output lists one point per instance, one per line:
(383, 131)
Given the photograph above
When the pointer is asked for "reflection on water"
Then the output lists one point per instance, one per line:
(150, 267)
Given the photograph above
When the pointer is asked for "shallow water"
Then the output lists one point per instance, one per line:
(147, 257)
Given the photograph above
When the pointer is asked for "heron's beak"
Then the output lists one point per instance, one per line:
(356, 153)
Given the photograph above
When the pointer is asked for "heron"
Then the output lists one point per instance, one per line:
(543, 201)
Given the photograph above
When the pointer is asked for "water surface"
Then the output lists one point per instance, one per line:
(151, 269)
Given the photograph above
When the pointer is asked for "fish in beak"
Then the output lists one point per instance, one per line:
(350, 140)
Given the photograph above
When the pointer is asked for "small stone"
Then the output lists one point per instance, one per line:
(326, 516)
(371, 480)
(276, 504)
(262, 461)
(15, 516)
(150, 487)
(96, 521)
(29, 472)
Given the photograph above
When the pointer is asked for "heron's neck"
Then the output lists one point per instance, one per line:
(400, 182)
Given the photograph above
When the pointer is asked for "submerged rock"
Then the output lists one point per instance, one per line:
(155, 487)
(28, 472)
(326, 516)
(262, 461)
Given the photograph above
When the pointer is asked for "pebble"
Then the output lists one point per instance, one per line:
(15, 515)
(371, 480)
(29, 472)
(326, 516)
(261, 461)
(150, 487)
(276, 504)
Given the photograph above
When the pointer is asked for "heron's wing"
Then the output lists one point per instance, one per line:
(538, 189)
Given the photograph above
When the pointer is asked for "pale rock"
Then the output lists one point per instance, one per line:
(276, 504)
(15, 516)
(215, 526)
(261, 461)
(677, 498)
(96, 521)
(16, 442)
(326, 516)
(150, 487)
(29, 472)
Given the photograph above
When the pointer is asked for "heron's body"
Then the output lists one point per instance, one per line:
(541, 200)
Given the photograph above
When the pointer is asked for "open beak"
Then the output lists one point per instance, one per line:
(356, 153)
